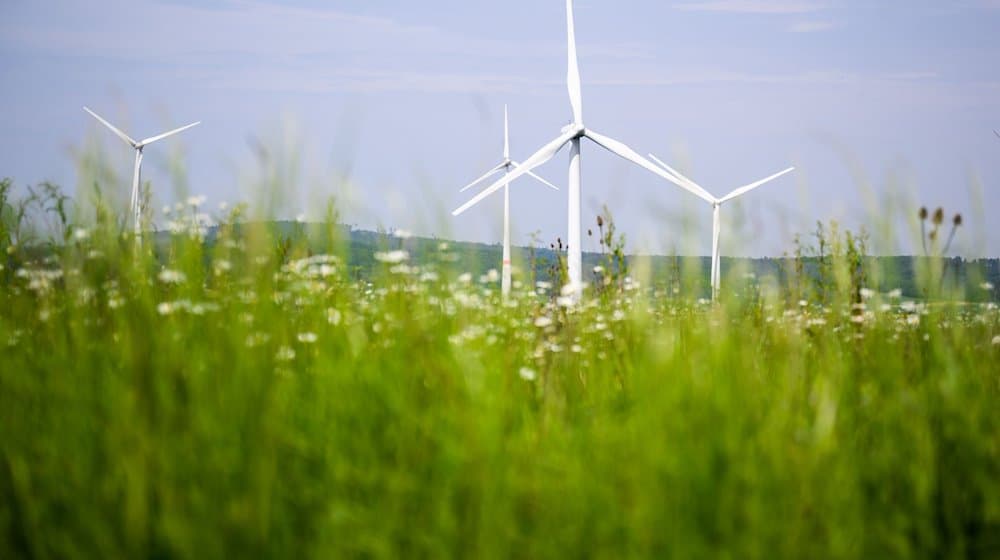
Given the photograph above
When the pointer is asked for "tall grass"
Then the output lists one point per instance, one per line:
(252, 397)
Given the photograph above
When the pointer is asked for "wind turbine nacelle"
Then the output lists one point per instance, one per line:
(574, 127)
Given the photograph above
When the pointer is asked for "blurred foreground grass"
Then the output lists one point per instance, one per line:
(252, 398)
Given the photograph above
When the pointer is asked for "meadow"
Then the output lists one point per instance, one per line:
(256, 397)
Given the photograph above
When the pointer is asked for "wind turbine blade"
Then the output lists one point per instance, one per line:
(120, 134)
(573, 72)
(752, 186)
(543, 155)
(536, 177)
(506, 135)
(623, 151)
(997, 133)
(165, 134)
(485, 176)
(707, 196)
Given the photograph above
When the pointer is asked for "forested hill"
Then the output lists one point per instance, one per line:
(979, 277)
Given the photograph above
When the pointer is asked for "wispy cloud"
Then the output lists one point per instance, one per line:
(811, 26)
(776, 7)
(651, 78)
(912, 76)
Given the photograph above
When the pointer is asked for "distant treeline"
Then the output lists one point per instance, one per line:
(975, 279)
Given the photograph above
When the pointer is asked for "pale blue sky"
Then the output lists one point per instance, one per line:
(873, 101)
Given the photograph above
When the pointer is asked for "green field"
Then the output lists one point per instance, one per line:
(256, 397)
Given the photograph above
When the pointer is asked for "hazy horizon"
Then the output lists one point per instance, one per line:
(392, 107)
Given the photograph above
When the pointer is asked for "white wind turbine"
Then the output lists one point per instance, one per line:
(716, 206)
(135, 205)
(572, 135)
(506, 165)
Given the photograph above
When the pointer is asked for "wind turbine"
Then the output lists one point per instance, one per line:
(716, 207)
(135, 205)
(572, 134)
(506, 165)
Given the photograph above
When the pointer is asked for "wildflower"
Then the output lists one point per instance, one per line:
(867, 293)
(333, 316)
(164, 308)
(80, 234)
(913, 320)
(896, 294)
(307, 337)
(493, 275)
(257, 338)
(570, 289)
(988, 286)
(392, 257)
(564, 301)
(402, 234)
(443, 247)
(923, 213)
(195, 201)
(301, 218)
(598, 269)
(996, 340)
(544, 286)
(527, 374)
(938, 218)
(576, 349)
(816, 322)
(803, 303)
(465, 278)
(285, 354)
(168, 276)
(543, 322)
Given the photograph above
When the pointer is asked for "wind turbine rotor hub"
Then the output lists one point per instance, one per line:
(574, 127)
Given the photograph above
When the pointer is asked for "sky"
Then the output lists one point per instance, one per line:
(391, 106)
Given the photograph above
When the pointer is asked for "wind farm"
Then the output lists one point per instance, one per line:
(318, 345)
(571, 135)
